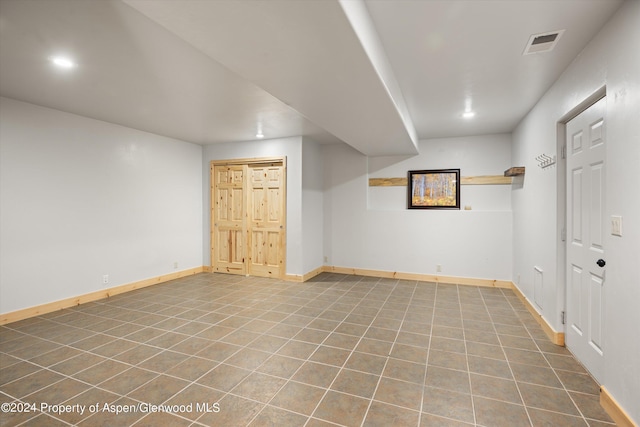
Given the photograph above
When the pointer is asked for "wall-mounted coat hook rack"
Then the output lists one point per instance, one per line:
(545, 161)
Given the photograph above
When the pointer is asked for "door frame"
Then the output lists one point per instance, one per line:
(562, 240)
(250, 161)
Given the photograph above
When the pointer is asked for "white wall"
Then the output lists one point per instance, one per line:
(370, 227)
(81, 198)
(312, 205)
(612, 58)
(289, 147)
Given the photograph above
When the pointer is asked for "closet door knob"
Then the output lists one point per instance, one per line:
(601, 262)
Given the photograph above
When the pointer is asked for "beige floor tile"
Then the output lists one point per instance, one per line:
(316, 374)
(162, 419)
(366, 363)
(298, 349)
(190, 345)
(271, 416)
(101, 372)
(192, 368)
(335, 350)
(268, 343)
(447, 359)
(405, 370)
(399, 393)
(15, 371)
(381, 334)
(429, 420)
(565, 363)
(197, 400)
(158, 389)
(137, 354)
(382, 414)
(342, 408)
(526, 357)
(551, 399)
(448, 404)
(128, 380)
(351, 329)
(31, 383)
(535, 375)
(297, 397)
(330, 355)
(447, 379)
(497, 413)
(447, 344)
(224, 377)
(582, 383)
(58, 392)
(540, 418)
(248, 358)
(343, 341)
(87, 399)
(356, 383)
(376, 347)
(495, 388)
(492, 367)
(589, 405)
(109, 417)
(280, 366)
(218, 351)
(260, 387)
(113, 348)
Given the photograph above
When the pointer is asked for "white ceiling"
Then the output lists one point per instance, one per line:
(378, 74)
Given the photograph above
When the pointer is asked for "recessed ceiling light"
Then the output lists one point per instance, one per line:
(468, 114)
(62, 62)
(259, 133)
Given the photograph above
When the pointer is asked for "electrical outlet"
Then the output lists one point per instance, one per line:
(438, 268)
(105, 279)
(326, 259)
(175, 265)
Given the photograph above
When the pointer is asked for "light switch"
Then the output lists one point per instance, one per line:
(616, 225)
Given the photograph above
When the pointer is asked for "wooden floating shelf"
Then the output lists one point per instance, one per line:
(387, 182)
(465, 180)
(514, 171)
(485, 180)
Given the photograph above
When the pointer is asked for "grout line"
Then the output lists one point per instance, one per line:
(466, 354)
(544, 355)
(242, 298)
(508, 362)
(393, 344)
(304, 360)
(351, 352)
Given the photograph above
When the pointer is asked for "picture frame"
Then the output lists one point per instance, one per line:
(433, 189)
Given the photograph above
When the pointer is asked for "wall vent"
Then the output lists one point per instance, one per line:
(544, 42)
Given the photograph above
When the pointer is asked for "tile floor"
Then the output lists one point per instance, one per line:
(222, 350)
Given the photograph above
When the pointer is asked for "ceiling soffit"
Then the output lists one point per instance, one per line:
(308, 55)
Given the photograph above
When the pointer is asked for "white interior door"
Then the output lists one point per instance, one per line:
(586, 261)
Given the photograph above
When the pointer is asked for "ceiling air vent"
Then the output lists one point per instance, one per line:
(545, 42)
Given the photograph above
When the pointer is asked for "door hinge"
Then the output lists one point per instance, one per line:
(563, 317)
(563, 234)
(563, 152)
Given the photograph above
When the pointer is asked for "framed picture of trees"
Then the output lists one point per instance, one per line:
(434, 189)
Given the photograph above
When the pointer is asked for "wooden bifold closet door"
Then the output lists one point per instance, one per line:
(248, 217)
